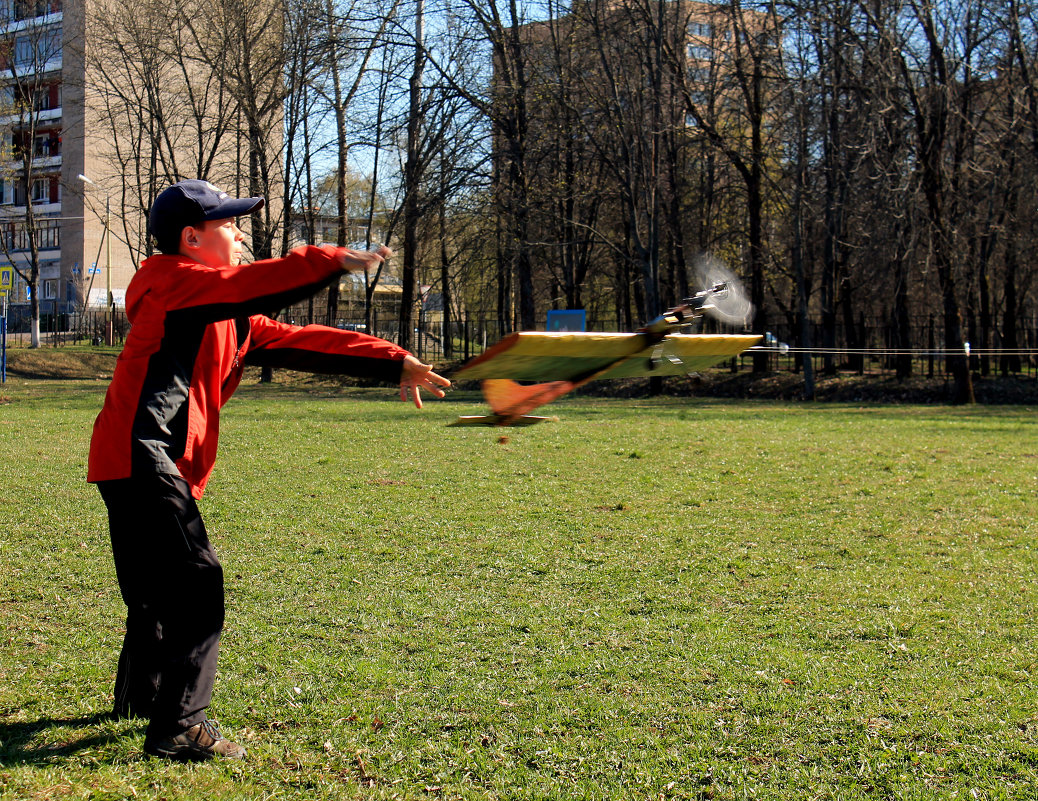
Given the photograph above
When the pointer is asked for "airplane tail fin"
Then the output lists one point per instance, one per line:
(511, 399)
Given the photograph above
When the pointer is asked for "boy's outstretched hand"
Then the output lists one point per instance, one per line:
(417, 376)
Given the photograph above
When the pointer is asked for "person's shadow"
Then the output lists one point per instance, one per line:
(17, 746)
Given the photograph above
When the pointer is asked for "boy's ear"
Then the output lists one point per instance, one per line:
(188, 237)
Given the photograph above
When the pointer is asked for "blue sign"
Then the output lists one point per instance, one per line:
(567, 320)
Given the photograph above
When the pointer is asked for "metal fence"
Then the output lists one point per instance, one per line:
(432, 340)
(64, 328)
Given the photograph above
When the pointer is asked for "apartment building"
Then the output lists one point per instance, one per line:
(57, 184)
(81, 156)
(30, 121)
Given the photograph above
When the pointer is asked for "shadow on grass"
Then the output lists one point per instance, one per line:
(17, 746)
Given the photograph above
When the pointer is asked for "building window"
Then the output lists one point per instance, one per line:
(46, 98)
(700, 30)
(50, 43)
(700, 52)
(699, 76)
(27, 9)
(42, 190)
(50, 289)
(37, 48)
(23, 50)
(46, 145)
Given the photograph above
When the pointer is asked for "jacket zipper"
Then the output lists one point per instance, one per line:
(239, 346)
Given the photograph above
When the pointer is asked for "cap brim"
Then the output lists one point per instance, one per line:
(234, 207)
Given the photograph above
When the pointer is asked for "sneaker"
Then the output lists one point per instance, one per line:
(202, 741)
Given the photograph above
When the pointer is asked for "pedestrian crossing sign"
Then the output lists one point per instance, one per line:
(6, 279)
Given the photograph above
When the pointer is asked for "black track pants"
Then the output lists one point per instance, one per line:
(172, 584)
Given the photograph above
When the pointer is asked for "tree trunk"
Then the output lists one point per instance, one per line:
(902, 323)
(1010, 339)
(756, 206)
(447, 335)
(341, 153)
(856, 361)
(413, 169)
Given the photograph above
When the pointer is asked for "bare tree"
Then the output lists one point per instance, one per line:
(628, 87)
(567, 184)
(1021, 113)
(160, 117)
(736, 121)
(929, 70)
(304, 67)
(503, 100)
(414, 174)
(242, 44)
(352, 36)
(27, 59)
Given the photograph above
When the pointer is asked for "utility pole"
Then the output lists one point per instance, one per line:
(109, 297)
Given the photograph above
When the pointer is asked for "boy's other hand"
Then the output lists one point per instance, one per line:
(361, 261)
(417, 376)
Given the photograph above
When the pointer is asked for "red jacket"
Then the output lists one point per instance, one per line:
(193, 330)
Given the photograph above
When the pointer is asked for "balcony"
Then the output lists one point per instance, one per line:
(21, 14)
(14, 239)
(34, 48)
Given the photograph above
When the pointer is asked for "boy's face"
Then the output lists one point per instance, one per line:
(214, 243)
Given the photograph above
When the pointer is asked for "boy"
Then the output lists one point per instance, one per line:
(197, 320)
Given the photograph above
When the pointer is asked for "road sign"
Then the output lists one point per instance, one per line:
(6, 279)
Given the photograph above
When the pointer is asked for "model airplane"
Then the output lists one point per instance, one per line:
(564, 361)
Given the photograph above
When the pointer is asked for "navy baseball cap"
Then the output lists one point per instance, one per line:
(189, 203)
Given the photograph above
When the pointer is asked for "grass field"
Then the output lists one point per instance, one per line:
(647, 599)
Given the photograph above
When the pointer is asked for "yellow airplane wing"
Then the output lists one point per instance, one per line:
(560, 362)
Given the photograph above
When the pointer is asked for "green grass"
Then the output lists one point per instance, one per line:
(674, 598)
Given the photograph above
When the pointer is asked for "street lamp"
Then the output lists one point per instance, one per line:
(110, 299)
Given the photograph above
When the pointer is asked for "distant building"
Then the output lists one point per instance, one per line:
(31, 124)
(56, 106)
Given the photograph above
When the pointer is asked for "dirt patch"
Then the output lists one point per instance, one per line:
(60, 363)
(841, 388)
